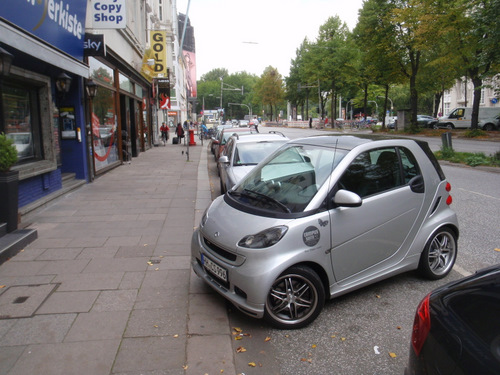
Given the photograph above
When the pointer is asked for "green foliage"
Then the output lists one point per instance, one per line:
(475, 133)
(8, 153)
(472, 159)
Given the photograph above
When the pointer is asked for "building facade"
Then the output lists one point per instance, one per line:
(462, 95)
(77, 99)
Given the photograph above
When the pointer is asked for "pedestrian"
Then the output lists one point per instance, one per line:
(326, 121)
(180, 132)
(164, 129)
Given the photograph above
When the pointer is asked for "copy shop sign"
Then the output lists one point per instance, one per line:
(109, 14)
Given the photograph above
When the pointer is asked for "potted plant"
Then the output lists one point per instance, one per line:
(9, 184)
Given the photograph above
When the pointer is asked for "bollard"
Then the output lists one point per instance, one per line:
(446, 139)
(192, 142)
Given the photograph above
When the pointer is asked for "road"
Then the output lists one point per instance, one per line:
(368, 331)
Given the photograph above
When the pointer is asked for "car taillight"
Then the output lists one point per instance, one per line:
(421, 325)
(449, 200)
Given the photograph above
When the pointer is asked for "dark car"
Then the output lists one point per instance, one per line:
(457, 328)
(425, 121)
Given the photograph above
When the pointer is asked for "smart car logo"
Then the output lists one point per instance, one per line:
(216, 234)
(311, 236)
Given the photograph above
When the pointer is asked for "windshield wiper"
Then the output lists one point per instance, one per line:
(261, 197)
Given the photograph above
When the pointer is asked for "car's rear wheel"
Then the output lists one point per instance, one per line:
(439, 254)
(295, 298)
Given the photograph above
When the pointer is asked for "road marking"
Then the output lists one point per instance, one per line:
(461, 271)
(481, 194)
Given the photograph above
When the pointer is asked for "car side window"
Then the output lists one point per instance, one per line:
(228, 150)
(373, 172)
(410, 166)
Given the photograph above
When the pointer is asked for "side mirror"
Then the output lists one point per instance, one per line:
(224, 159)
(345, 198)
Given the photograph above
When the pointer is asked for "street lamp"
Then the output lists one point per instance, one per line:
(392, 107)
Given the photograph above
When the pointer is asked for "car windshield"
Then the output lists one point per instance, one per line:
(290, 180)
(253, 153)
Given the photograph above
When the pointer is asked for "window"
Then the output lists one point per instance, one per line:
(373, 172)
(26, 116)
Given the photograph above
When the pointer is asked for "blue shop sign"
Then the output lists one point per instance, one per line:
(61, 23)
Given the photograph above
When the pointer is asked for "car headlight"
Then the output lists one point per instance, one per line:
(264, 239)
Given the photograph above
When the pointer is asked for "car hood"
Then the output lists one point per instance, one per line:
(226, 226)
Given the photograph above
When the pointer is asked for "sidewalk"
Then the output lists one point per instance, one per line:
(107, 287)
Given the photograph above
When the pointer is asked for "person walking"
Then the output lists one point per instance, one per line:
(164, 129)
(180, 132)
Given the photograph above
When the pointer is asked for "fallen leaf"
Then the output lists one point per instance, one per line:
(150, 263)
(155, 326)
(252, 364)
(343, 338)
(497, 249)
(392, 355)
(314, 346)
(240, 349)
(156, 269)
(267, 339)
(221, 371)
(333, 336)
(237, 330)
(175, 336)
(145, 244)
(377, 296)
(185, 367)
(238, 338)
(2, 286)
(398, 327)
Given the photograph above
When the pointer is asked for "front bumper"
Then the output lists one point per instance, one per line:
(229, 290)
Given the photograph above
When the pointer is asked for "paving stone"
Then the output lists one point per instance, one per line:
(69, 302)
(94, 358)
(151, 353)
(106, 325)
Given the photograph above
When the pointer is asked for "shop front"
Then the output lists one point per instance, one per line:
(120, 127)
(41, 95)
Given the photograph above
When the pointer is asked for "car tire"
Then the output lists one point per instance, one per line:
(439, 254)
(295, 299)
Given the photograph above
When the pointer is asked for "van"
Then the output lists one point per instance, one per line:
(461, 117)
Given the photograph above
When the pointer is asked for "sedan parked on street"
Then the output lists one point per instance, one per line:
(457, 328)
(323, 216)
(489, 124)
(425, 121)
(243, 153)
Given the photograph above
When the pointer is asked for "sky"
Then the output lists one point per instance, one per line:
(250, 35)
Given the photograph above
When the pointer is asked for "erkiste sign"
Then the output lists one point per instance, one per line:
(58, 22)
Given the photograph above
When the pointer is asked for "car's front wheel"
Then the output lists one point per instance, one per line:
(295, 298)
(439, 254)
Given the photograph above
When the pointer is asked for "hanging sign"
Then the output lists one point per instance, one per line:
(109, 14)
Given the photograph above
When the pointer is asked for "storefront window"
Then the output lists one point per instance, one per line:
(20, 112)
(126, 84)
(101, 73)
(104, 129)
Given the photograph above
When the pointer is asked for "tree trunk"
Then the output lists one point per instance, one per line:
(476, 100)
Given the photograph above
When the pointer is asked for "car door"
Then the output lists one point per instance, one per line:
(370, 238)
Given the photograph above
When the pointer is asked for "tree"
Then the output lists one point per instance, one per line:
(473, 33)
(269, 89)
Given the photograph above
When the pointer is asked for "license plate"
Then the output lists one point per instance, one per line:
(214, 268)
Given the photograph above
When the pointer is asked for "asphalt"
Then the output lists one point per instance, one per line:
(107, 286)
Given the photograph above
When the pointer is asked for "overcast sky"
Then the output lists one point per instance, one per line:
(250, 35)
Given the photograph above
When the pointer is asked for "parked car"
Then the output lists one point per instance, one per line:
(457, 328)
(489, 124)
(243, 153)
(224, 136)
(425, 121)
(318, 219)
(215, 139)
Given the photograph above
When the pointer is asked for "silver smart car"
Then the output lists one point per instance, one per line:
(323, 216)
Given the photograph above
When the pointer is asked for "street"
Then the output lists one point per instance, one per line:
(368, 331)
